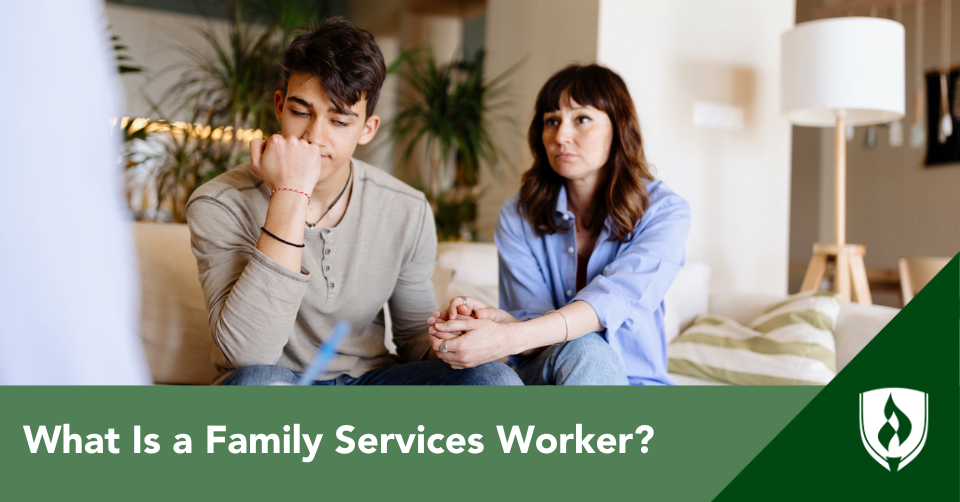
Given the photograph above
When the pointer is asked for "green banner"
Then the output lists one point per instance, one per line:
(702, 437)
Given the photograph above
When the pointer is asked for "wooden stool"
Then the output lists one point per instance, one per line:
(848, 264)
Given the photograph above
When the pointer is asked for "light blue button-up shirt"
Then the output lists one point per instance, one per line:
(626, 281)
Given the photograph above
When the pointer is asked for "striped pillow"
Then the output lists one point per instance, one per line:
(790, 343)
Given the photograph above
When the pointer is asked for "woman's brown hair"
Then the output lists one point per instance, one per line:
(622, 194)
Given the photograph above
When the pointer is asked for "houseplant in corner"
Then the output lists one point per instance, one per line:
(444, 126)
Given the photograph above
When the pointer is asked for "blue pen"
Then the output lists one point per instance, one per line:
(325, 353)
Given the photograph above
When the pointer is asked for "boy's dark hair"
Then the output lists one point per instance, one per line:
(345, 58)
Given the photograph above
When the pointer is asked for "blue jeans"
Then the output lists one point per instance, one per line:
(432, 372)
(588, 360)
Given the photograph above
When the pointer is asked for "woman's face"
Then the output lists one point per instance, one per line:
(577, 139)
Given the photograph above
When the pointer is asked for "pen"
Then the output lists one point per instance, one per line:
(325, 353)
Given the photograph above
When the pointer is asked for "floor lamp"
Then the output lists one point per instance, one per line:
(836, 73)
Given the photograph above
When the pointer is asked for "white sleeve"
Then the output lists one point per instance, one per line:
(68, 290)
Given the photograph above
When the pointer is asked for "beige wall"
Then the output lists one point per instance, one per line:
(672, 53)
(895, 205)
(547, 35)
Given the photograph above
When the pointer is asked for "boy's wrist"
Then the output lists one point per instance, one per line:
(289, 203)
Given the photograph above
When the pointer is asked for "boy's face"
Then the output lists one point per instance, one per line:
(306, 113)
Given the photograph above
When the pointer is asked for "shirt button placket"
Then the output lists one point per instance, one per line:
(332, 285)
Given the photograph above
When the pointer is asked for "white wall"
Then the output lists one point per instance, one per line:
(154, 39)
(674, 52)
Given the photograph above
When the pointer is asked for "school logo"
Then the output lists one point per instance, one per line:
(893, 425)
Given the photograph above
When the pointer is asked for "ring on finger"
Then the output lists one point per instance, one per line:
(443, 347)
(464, 298)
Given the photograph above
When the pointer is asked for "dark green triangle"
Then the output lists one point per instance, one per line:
(820, 456)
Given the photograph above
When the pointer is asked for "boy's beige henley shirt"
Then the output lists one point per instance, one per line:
(260, 312)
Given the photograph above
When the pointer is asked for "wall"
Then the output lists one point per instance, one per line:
(895, 206)
(154, 39)
(397, 25)
(672, 53)
(547, 35)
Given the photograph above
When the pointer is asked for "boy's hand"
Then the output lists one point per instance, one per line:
(286, 162)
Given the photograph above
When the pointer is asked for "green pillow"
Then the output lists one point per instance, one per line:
(790, 343)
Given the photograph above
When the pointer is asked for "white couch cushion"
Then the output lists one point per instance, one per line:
(856, 326)
(687, 298)
(173, 317)
(474, 272)
(741, 307)
(471, 262)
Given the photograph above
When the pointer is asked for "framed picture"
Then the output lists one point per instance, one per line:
(939, 153)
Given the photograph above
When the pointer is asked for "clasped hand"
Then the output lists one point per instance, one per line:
(475, 333)
(286, 162)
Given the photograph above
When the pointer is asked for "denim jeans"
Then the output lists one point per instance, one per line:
(588, 360)
(432, 372)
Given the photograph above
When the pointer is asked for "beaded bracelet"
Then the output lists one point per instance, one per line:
(264, 230)
(291, 190)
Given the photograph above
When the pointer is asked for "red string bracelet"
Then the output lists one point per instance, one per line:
(290, 190)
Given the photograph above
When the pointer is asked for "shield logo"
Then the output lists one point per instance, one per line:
(893, 425)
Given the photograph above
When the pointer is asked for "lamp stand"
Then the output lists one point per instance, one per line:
(847, 258)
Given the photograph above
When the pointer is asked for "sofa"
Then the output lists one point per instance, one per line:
(177, 341)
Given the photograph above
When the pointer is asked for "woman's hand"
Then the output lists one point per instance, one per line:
(286, 162)
(481, 341)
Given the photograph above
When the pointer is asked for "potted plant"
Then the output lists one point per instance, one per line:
(447, 114)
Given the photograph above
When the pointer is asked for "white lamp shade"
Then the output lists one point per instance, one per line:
(852, 66)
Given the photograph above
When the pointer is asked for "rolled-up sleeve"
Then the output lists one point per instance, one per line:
(645, 268)
(252, 301)
(524, 290)
(412, 301)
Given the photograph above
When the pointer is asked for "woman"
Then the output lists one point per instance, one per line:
(587, 249)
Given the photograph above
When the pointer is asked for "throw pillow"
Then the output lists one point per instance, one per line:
(790, 343)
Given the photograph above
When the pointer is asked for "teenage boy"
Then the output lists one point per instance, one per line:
(304, 236)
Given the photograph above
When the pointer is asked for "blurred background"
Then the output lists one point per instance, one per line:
(464, 73)
(198, 78)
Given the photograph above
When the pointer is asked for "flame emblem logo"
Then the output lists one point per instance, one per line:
(893, 425)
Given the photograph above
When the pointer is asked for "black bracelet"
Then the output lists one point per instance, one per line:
(264, 230)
